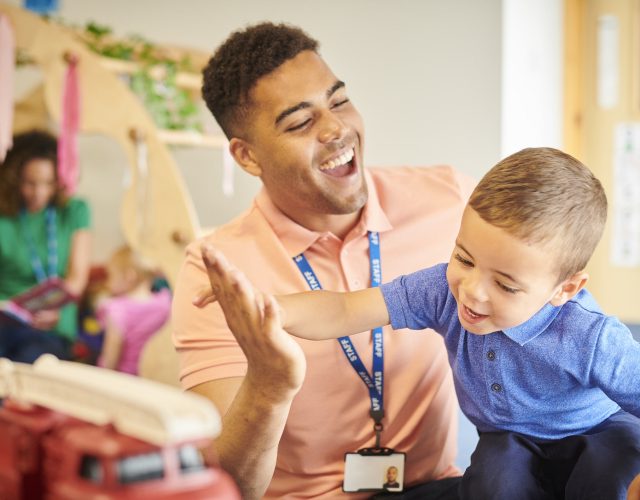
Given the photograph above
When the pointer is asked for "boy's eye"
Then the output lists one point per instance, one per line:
(506, 288)
(463, 261)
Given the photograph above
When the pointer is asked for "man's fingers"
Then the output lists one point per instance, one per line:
(204, 297)
(271, 313)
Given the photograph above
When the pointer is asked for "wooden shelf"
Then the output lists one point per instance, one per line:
(191, 138)
(191, 81)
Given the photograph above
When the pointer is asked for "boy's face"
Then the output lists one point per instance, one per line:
(498, 280)
(305, 139)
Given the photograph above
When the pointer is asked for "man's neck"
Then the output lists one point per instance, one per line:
(340, 225)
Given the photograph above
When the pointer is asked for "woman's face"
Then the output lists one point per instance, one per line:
(37, 184)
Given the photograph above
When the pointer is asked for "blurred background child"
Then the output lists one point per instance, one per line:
(132, 312)
(44, 233)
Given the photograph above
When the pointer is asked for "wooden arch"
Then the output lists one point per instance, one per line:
(108, 107)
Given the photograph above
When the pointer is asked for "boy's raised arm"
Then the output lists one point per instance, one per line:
(317, 315)
(323, 315)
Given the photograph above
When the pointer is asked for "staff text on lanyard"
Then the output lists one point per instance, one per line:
(375, 381)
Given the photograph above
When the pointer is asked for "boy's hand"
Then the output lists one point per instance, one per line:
(276, 363)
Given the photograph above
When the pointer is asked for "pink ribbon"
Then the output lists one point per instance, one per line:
(68, 168)
(7, 68)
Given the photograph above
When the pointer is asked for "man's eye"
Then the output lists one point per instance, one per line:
(463, 261)
(293, 128)
(340, 103)
(506, 288)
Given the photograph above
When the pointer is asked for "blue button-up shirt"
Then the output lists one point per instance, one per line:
(560, 373)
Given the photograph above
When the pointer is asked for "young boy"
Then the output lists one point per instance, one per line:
(538, 368)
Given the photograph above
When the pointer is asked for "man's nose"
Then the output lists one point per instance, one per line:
(332, 128)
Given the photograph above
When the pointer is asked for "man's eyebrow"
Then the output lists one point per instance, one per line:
(292, 109)
(305, 104)
(338, 85)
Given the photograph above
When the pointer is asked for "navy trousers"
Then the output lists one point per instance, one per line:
(598, 464)
(21, 342)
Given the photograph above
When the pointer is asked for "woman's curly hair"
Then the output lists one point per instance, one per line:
(27, 146)
(245, 57)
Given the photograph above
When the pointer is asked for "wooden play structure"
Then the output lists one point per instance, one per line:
(157, 215)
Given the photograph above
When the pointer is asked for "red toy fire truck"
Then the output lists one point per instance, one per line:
(77, 432)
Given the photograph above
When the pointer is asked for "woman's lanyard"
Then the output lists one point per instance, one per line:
(52, 245)
(374, 384)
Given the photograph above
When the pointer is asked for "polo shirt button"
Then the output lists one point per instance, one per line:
(496, 387)
(491, 355)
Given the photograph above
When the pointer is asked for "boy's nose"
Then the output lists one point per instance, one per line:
(474, 290)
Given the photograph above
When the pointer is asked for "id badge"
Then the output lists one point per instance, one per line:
(372, 469)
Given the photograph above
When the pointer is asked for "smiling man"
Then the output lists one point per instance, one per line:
(293, 408)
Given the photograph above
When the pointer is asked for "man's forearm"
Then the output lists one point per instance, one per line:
(251, 432)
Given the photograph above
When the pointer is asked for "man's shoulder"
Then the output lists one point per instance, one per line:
(243, 231)
(438, 180)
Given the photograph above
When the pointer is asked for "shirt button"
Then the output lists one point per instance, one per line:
(491, 355)
(496, 387)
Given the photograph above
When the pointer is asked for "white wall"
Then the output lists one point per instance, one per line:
(532, 65)
(463, 82)
(425, 74)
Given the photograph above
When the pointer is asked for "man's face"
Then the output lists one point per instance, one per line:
(498, 280)
(305, 137)
(392, 474)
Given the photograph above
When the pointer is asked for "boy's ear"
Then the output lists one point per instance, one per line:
(569, 288)
(243, 155)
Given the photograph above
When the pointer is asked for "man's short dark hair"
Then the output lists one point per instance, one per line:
(245, 57)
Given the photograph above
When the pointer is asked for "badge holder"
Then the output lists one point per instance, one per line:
(374, 469)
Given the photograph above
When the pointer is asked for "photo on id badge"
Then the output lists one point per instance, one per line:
(365, 472)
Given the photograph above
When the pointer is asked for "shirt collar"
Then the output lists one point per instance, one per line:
(533, 327)
(296, 238)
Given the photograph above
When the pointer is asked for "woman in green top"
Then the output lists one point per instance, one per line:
(43, 233)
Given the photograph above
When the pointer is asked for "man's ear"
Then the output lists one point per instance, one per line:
(243, 155)
(569, 288)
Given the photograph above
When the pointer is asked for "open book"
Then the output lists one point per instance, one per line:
(49, 294)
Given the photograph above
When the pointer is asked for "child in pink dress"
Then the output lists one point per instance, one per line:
(132, 313)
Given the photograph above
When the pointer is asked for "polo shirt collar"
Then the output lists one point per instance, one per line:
(296, 238)
(537, 324)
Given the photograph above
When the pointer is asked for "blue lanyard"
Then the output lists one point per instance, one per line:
(374, 384)
(52, 245)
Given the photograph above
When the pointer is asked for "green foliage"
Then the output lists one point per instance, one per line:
(170, 106)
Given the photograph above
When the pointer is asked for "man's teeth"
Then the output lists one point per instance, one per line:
(343, 159)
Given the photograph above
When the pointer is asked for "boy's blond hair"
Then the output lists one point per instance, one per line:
(545, 196)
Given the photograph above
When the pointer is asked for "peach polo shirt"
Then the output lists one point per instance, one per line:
(417, 212)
